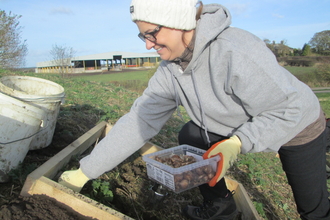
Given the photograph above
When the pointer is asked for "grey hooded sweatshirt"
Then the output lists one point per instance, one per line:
(232, 86)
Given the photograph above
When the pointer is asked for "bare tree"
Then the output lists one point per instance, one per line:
(62, 56)
(270, 44)
(12, 49)
(282, 49)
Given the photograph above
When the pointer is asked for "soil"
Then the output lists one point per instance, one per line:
(37, 207)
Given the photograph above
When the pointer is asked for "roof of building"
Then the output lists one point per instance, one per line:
(104, 56)
(109, 55)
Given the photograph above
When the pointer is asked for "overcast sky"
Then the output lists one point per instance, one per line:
(101, 26)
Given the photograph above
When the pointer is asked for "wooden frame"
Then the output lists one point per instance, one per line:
(40, 181)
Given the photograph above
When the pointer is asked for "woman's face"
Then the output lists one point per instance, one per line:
(169, 42)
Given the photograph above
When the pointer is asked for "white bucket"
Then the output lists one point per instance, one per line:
(41, 93)
(19, 123)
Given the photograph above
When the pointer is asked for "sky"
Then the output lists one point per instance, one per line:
(100, 26)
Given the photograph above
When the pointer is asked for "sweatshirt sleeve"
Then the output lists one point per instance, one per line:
(146, 118)
(279, 105)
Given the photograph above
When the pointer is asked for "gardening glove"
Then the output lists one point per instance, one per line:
(73, 179)
(228, 150)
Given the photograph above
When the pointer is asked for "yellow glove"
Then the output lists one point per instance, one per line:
(228, 150)
(73, 179)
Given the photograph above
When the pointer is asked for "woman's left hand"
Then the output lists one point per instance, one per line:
(228, 150)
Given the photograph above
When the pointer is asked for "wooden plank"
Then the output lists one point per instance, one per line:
(106, 130)
(51, 167)
(77, 202)
(322, 91)
(242, 200)
(320, 88)
(149, 148)
(39, 181)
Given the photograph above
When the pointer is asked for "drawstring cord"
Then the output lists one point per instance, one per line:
(199, 101)
(176, 98)
(201, 107)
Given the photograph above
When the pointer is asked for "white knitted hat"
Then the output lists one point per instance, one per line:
(177, 14)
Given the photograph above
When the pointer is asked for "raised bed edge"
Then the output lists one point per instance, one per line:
(39, 181)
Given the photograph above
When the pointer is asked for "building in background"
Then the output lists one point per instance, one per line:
(102, 62)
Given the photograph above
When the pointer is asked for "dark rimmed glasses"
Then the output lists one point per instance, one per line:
(150, 36)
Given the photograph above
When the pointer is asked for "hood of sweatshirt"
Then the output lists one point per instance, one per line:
(215, 19)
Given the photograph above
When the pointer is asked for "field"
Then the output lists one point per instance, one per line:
(106, 97)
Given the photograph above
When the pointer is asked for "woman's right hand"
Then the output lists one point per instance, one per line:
(73, 179)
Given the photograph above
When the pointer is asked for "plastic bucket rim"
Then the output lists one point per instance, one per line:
(24, 96)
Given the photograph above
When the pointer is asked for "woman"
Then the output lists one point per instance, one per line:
(238, 98)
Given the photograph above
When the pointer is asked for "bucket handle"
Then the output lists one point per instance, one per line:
(42, 99)
(41, 125)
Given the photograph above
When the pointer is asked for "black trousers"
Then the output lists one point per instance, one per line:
(304, 165)
(305, 168)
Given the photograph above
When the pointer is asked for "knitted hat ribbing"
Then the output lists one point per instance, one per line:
(178, 14)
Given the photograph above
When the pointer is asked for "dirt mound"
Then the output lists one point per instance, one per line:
(37, 207)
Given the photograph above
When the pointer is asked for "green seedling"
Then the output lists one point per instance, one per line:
(101, 191)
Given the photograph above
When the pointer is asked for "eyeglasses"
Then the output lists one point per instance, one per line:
(150, 36)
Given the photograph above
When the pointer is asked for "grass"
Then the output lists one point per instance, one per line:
(94, 98)
(312, 76)
(324, 99)
(262, 176)
(142, 77)
(297, 71)
(119, 76)
(133, 80)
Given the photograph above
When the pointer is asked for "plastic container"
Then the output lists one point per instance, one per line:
(185, 177)
(41, 93)
(19, 123)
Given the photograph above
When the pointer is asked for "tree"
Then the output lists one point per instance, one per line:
(306, 50)
(297, 52)
(270, 44)
(320, 43)
(12, 49)
(280, 50)
(62, 57)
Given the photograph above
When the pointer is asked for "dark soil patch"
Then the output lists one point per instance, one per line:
(37, 207)
(134, 195)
